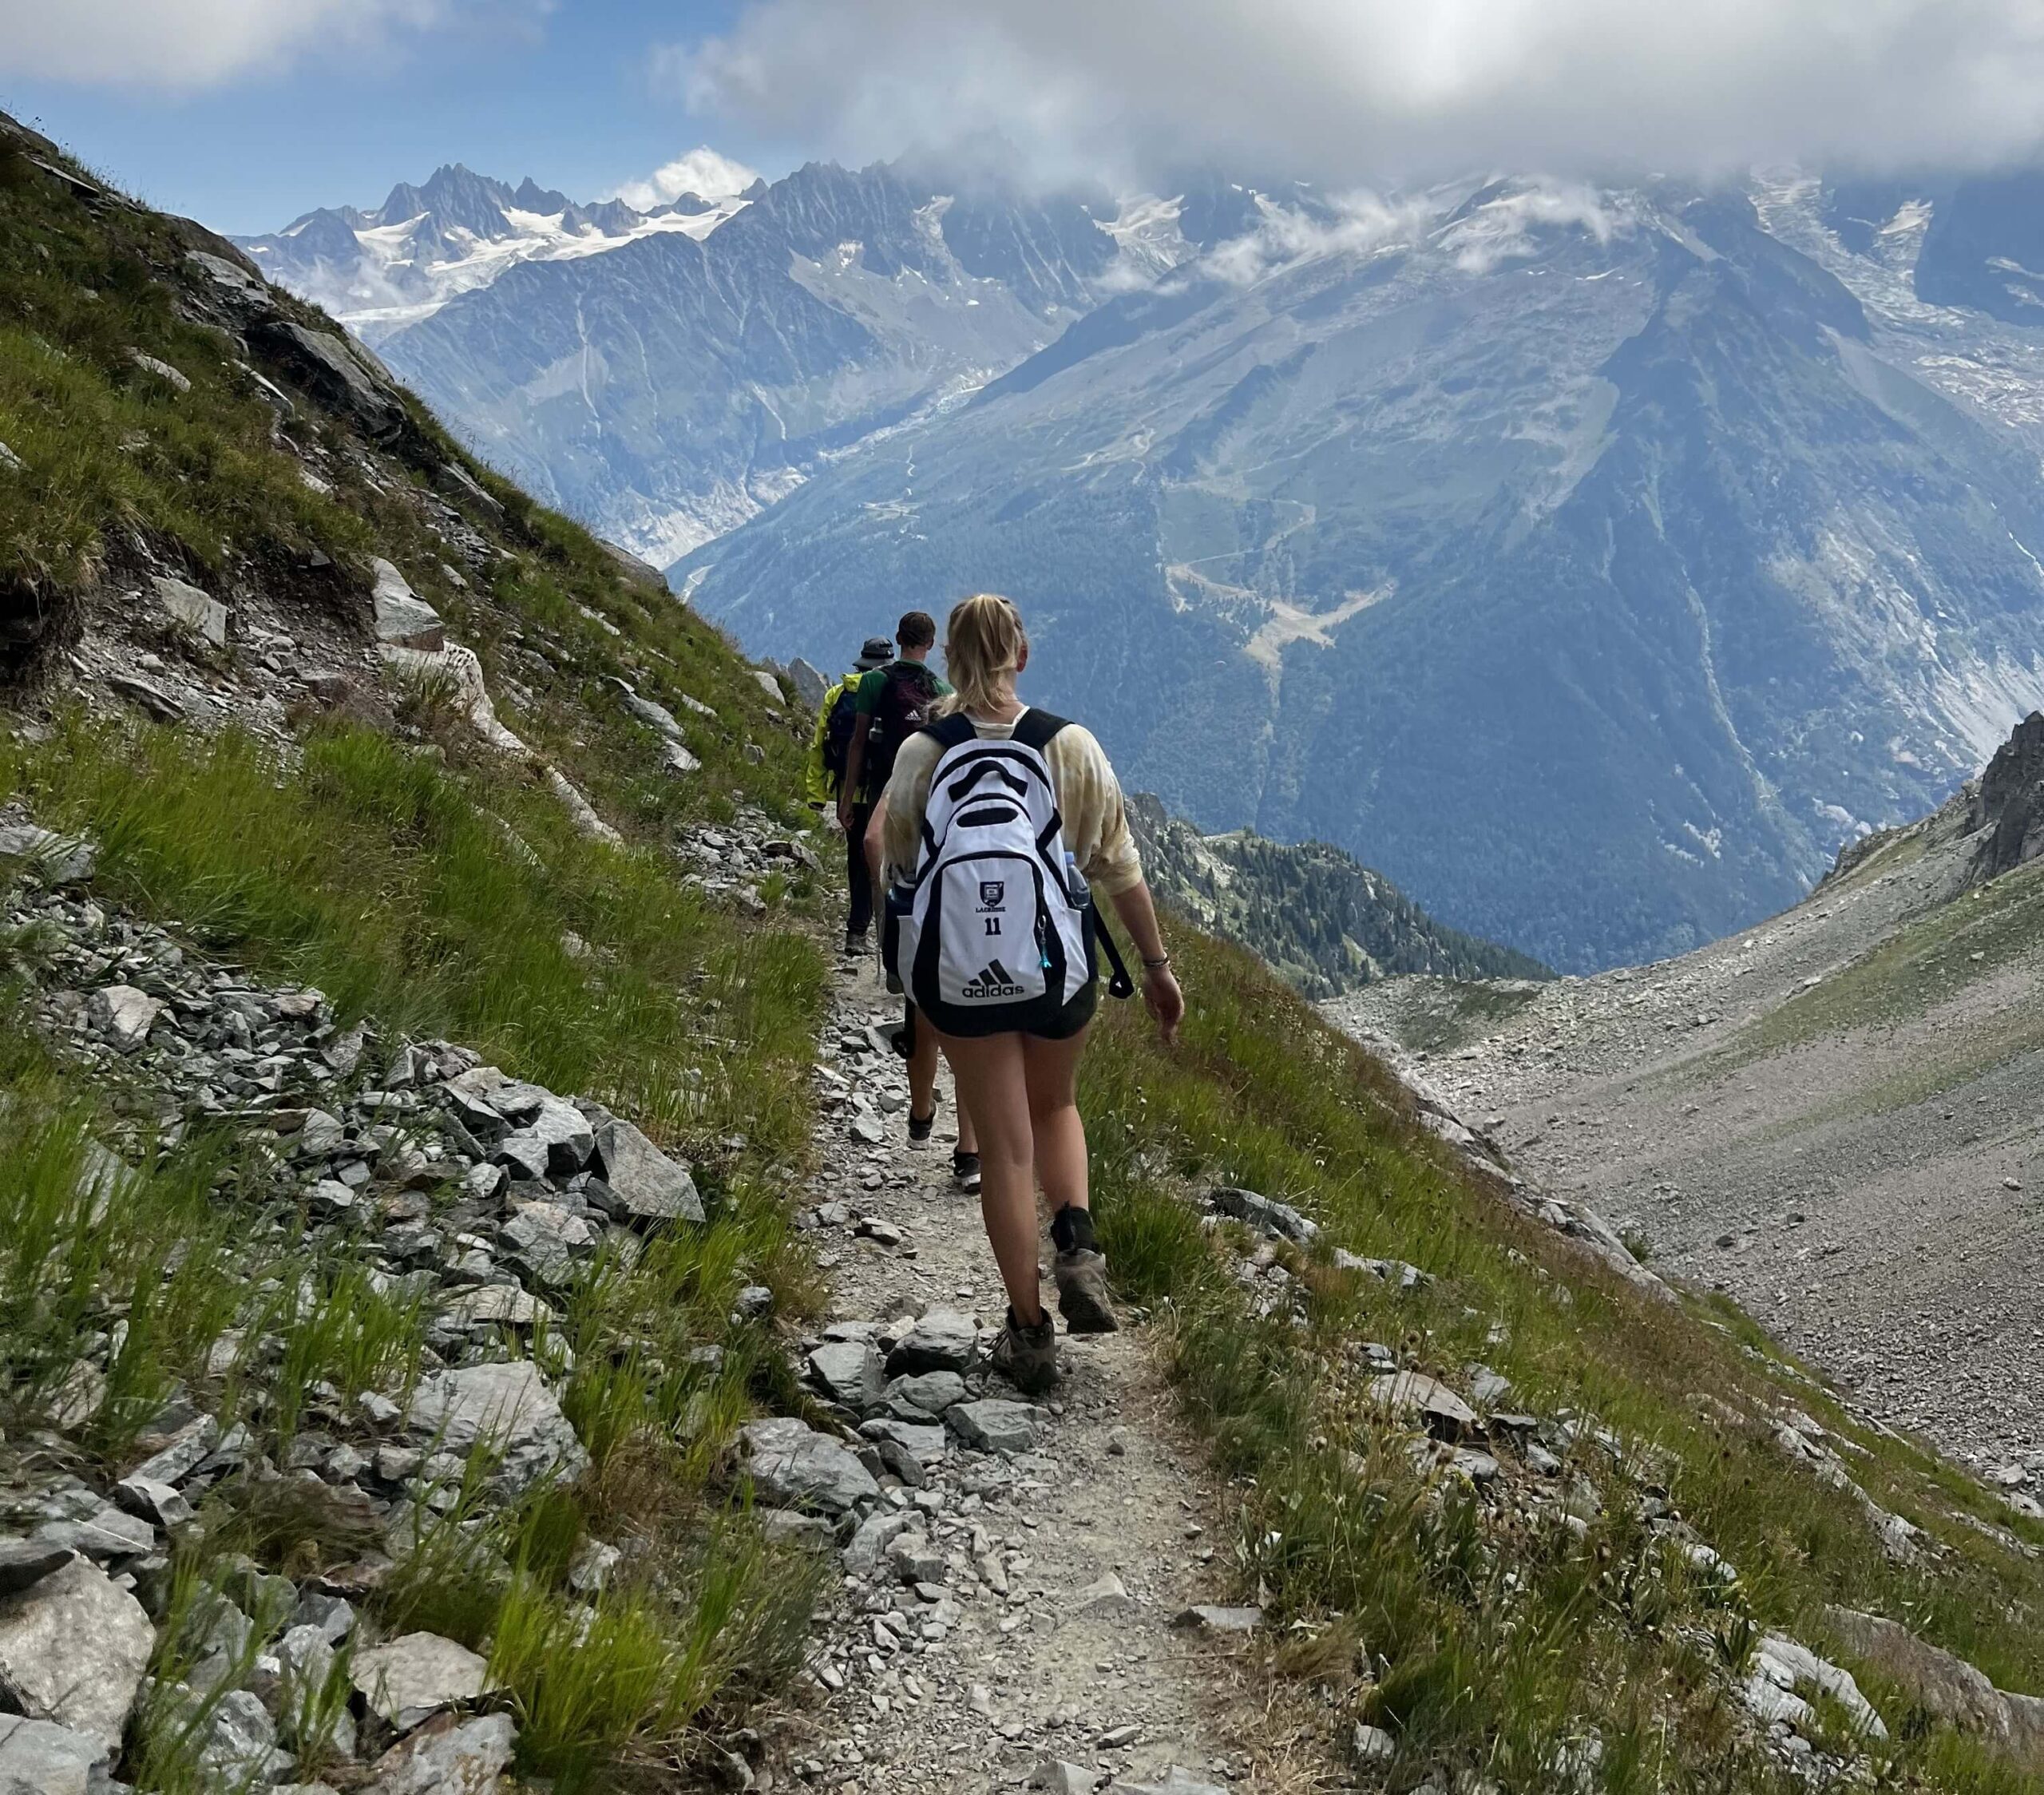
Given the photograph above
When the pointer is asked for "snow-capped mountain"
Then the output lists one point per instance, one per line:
(378, 271)
(1593, 560)
(674, 385)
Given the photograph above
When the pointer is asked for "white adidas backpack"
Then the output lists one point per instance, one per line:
(996, 930)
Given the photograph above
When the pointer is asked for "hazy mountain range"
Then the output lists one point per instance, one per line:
(1594, 562)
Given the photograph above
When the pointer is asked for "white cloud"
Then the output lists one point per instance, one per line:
(1362, 222)
(196, 44)
(1346, 90)
(702, 171)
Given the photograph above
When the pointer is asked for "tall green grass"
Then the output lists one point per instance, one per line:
(1482, 1643)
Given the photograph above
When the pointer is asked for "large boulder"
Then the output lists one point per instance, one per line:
(74, 1647)
(1944, 1685)
(640, 1183)
(335, 373)
(793, 1466)
(506, 1410)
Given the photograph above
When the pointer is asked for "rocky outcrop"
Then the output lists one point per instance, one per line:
(2009, 803)
(1945, 1685)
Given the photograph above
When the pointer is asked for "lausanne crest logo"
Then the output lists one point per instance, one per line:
(992, 892)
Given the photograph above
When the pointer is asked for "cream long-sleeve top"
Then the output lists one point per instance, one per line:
(1088, 798)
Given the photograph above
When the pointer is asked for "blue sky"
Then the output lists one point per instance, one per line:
(569, 96)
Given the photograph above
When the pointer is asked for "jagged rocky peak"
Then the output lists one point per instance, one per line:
(457, 197)
(2009, 804)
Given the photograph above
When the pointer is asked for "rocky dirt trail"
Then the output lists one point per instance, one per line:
(1013, 1612)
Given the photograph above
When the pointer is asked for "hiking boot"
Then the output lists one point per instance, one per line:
(921, 1126)
(965, 1172)
(854, 947)
(1082, 1292)
(1027, 1357)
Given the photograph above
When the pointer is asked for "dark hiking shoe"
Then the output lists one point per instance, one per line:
(854, 947)
(965, 1172)
(1027, 1357)
(920, 1127)
(1082, 1292)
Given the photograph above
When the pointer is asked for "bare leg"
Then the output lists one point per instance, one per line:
(993, 1090)
(922, 1072)
(1051, 1071)
(922, 1086)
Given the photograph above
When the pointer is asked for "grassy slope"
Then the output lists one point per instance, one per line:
(384, 874)
(1488, 1642)
(439, 890)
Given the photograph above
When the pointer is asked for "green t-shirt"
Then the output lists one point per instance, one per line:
(875, 683)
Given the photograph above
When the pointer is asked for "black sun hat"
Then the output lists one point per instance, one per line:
(878, 651)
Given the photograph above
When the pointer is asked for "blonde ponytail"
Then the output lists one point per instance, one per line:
(983, 644)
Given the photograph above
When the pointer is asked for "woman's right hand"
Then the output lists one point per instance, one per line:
(1165, 1002)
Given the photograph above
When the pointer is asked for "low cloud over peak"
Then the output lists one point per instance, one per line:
(1345, 90)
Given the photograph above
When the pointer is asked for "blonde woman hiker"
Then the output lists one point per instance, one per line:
(997, 825)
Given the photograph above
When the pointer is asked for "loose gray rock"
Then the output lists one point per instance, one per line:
(158, 1502)
(1059, 1777)
(876, 1534)
(39, 1758)
(1439, 1408)
(199, 611)
(995, 1424)
(1176, 1781)
(498, 1305)
(175, 378)
(810, 684)
(943, 1340)
(413, 1678)
(507, 1410)
(73, 1650)
(644, 1184)
(923, 1440)
(25, 1562)
(1219, 1620)
(106, 1533)
(795, 1467)
(446, 1757)
(1372, 1745)
(848, 1372)
(1270, 1216)
(60, 859)
(122, 1016)
(928, 1393)
(557, 1141)
(240, 1748)
(403, 619)
(547, 1240)
(185, 1452)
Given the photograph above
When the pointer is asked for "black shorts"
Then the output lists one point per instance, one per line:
(1067, 1023)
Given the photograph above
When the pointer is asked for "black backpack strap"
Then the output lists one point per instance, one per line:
(1035, 728)
(951, 731)
(1120, 985)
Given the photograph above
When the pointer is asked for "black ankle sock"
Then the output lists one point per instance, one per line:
(1072, 1231)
